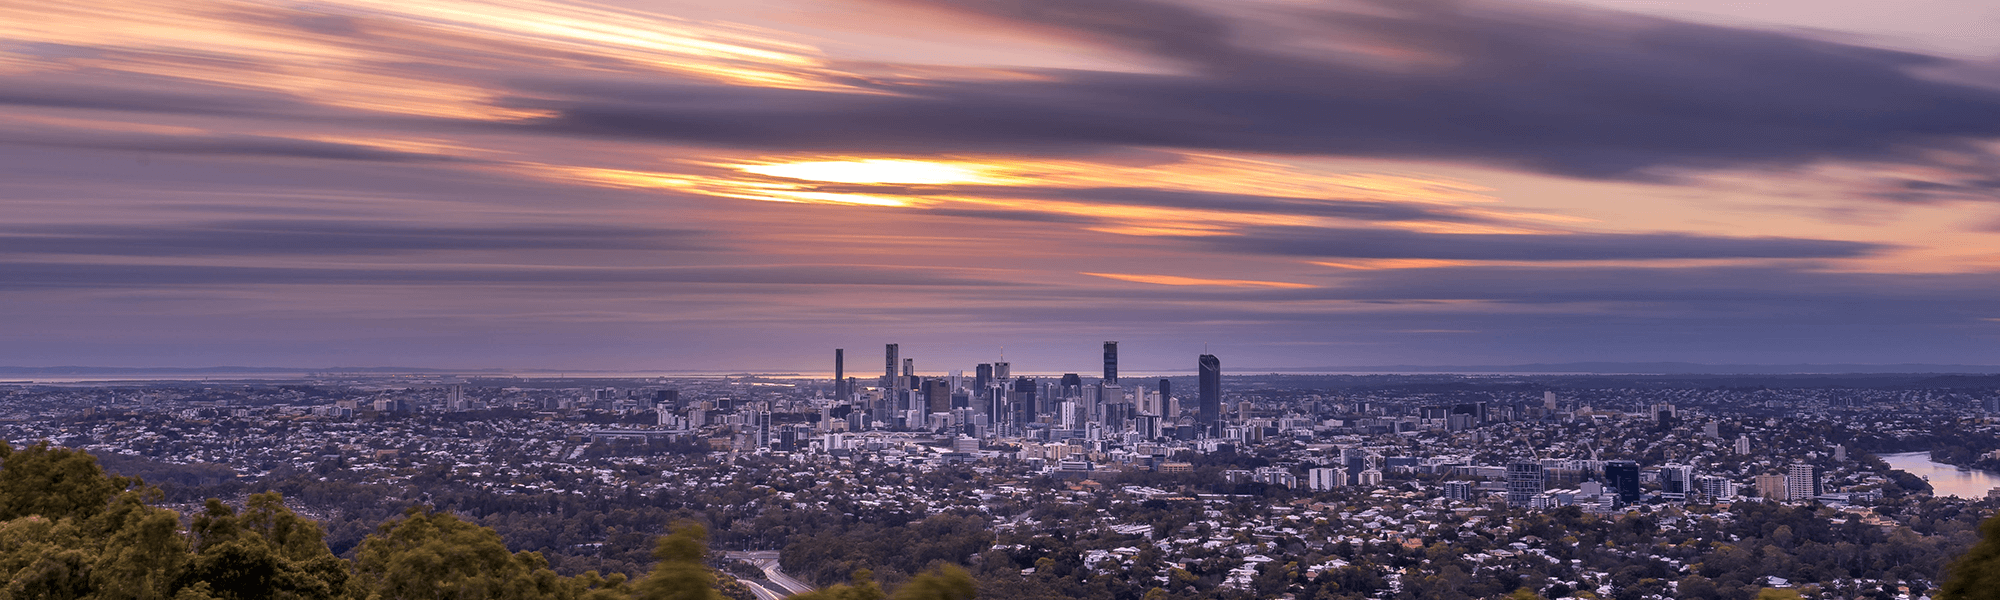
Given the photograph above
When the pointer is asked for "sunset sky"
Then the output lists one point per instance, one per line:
(692, 184)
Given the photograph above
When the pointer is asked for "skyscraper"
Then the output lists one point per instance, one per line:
(937, 395)
(1024, 400)
(982, 376)
(1111, 362)
(1209, 369)
(1072, 386)
(839, 374)
(889, 372)
(1001, 372)
(1166, 391)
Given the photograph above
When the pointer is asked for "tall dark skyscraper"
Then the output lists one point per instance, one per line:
(890, 360)
(1166, 390)
(1024, 401)
(1111, 362)
(1210, 370)
(1072, 386)
(982, 376)
(840, 373)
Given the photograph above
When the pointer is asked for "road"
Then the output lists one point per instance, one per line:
(768, 561)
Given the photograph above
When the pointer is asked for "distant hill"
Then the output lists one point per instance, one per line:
(89, 371)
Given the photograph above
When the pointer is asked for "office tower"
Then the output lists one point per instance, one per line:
(1111, 362)
(982, 376)
(1548, 401)
(1802, 482)
(839, 374)
(1622, 476)
(889, 371)
(1676, 481)
(1353, 461)
(892, 386)
(937, 395)
(1525, 480)
(1209, 369)
(1024, 401)
(1166, 391)
(1072, 386)
(909, 367)
(1002, 372)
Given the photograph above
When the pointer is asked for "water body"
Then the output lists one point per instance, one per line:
(1946, 480)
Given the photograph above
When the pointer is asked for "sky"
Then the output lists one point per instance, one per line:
(696, 185)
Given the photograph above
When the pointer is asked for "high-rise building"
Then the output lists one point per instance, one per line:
(1209, 369)
(937, 395)
(1802, 482)
(1072, 386)
(1622, 476)
(1549, 401)
(1111, 362)
(1001, 372)
(1525, 480)
(1024, 401)
(1716, 487)
(1166, 391)
(839, 374)
(892, 386)
(1742, 444)
(889, 371)
(1324, 479)
(982, 376)
(1677, 481)
(1353, 460)
(1771, 486)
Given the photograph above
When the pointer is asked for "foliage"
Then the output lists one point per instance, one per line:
(71, 531)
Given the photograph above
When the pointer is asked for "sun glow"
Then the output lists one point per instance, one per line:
(1179, 280)
(875, 170)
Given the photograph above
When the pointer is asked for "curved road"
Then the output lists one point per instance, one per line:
(780, 585)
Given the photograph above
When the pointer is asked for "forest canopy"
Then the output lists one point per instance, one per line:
(68, 530)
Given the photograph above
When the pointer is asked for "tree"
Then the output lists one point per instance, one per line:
(947, 582)
(1976, 574)
(680, 573)
(55, 483)
(436, 556)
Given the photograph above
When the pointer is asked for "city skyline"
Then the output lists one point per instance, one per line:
(675, 185)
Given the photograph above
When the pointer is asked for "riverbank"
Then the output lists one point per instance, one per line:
(1945, 479)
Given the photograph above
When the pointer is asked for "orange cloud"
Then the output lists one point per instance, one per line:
(1178, 280)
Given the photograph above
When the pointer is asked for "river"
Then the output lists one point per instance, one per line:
(1946, 480)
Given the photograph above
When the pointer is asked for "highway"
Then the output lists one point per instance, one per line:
(768, 561)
